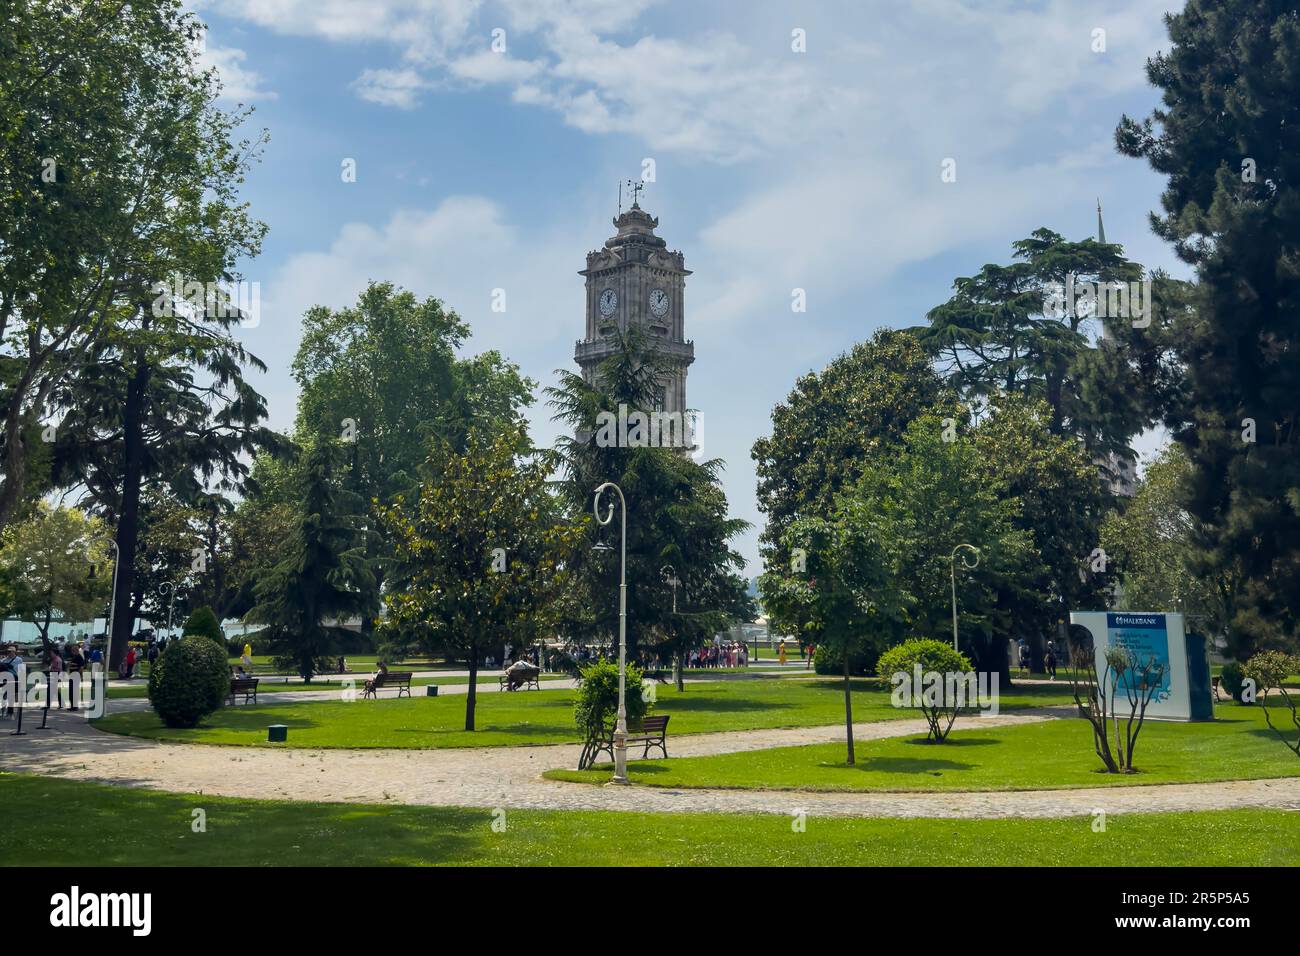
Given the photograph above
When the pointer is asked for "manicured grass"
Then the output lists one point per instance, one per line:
(1056, 754)
(535, 717)
(276, 686)
(266, 833)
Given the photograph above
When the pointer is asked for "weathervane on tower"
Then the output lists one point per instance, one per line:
(636, 186)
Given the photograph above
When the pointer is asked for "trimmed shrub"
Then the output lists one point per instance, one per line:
(204, 623)
(597, 706)
(939, 706)
(1269, 670)
(1232, 681)
(189, 681)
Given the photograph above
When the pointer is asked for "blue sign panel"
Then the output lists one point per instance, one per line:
(1145, 636)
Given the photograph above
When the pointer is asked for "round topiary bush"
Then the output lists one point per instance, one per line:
(203, 623)
(189, 681)
(939, 698)
(1232, 681)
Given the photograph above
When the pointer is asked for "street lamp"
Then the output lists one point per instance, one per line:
(670, 577)
(620, 728)
(169, 588)
(952, 558)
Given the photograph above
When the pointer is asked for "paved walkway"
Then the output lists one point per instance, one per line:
(510, 777)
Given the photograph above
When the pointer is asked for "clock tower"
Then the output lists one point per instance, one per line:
(635, 280)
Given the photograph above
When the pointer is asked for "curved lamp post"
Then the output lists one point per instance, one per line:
(620, 728)
(170, 588)
(952, 559)
(669, 574)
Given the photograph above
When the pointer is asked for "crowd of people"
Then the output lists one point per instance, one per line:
(723, 654)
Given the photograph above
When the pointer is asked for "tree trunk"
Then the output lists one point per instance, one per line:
(848, 706)
(471, 694)
(681, 667)
(15, 464)
(128, 521)
(990, 657)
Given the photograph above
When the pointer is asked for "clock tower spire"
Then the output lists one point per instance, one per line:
(635, 280)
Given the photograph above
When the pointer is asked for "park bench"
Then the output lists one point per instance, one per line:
(652, 733)
(243, 685)
(528, 680)
(399, 679)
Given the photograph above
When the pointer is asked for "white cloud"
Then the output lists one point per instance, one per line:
(399, 88)
(462, 250)
(422, 30)
(488, 67)
(238, 83)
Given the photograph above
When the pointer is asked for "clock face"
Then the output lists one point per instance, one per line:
(608, 302)
(659, 302)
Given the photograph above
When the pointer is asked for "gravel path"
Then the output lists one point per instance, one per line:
(509, 777)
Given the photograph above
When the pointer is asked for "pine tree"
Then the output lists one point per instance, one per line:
(324, 577)
(1228, 138)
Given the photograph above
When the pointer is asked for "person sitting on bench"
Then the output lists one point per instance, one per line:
(381, 671)
(520, 673)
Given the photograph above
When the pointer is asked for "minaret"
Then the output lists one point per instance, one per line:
(1118, 472)
(634, 280)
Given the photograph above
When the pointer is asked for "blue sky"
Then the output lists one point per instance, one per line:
(774, 169)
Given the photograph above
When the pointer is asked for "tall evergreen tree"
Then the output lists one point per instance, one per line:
(1227, 136)
(324, 577)
(1017, 329)
(677, 512)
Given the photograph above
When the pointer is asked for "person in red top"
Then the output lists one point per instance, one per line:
(128, 663)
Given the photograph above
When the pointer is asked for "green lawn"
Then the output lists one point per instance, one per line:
(266, 833)
(536, 717)
(276, 685)
(1052, 755)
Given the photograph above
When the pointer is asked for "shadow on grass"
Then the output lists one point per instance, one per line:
(518, 730)
(904, 765)
(243, 832)
(954, 742)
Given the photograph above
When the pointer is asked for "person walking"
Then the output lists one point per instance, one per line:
(54, 670)
(10, 679)
(1050, 661)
